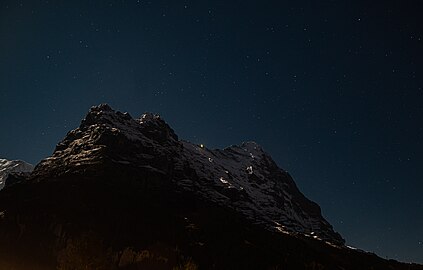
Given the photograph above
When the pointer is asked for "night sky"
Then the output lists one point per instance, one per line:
(331, 89)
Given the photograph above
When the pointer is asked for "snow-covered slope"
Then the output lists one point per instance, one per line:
(245, 178)
(242, 177)
(12, 166)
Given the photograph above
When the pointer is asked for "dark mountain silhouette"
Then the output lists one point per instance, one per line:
(124, 193)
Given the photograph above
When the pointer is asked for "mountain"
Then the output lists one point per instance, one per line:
(16, 167)
(124, 193)
(243, 177)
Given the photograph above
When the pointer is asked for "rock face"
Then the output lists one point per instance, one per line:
(242, 177)
(17, 167)
(109, 137)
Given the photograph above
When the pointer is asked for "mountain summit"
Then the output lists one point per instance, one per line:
(242, 177)
(16, 167)
(125, 193)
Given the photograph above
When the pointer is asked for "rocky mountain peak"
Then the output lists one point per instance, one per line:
(155, 127)
(104, 114)
(106, 135)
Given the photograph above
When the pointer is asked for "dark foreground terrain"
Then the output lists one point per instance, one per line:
(115, 220)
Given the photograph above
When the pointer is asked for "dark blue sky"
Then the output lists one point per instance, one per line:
(331, 89)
